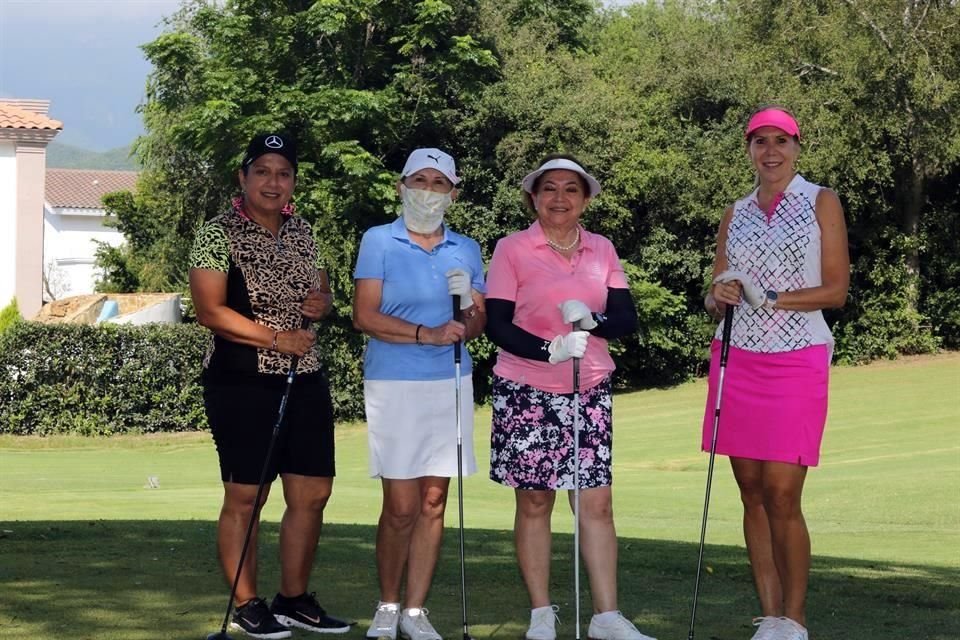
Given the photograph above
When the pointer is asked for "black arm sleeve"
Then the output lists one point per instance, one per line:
(621, 317)
(508, 336)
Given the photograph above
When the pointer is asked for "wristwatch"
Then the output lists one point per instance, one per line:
(770, 299)
(470, 312)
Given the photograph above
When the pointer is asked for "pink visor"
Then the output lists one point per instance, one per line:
(773, 118)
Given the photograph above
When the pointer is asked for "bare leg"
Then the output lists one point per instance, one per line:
(756, 533)
(532, 538)
(235, 514)
(425, 540)
(306, 497)
(782, 492)
(398, 515)
(598, 543)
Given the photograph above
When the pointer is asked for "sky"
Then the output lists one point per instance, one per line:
(83, 56)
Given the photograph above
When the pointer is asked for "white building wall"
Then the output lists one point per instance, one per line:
(69, 249)
(8, 221)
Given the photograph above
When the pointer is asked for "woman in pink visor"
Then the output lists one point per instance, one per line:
(781, 259)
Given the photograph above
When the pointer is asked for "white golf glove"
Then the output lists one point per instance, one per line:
(576, 311)
(572, 345)
(754, 295)
(458, 284)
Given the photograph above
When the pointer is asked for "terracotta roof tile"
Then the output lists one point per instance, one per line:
(83, 188)
(13, 117)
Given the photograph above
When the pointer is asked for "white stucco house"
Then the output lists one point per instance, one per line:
(73, 223)
(25, 131)
(50, 219)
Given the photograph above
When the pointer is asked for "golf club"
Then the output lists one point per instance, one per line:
(291, 374)
(457, 315)
(724, 353)
(576, 489)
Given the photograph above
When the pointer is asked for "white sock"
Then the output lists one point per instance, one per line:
(549, 607)
(412, 612)
(393, 606)
(606, 616)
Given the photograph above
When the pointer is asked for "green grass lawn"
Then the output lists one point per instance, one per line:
(89, 550)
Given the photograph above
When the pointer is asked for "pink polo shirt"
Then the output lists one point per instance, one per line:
(526, 271)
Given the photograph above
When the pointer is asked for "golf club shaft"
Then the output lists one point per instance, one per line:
(457, 315)
(576, 488)
(724, 354)
(254, 516)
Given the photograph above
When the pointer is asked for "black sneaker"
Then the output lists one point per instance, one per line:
(304, 612)
(255, 620)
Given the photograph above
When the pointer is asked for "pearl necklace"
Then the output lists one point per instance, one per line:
(560, 247)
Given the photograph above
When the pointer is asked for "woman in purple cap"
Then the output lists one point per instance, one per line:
(781, 258)
(405, 276)
(557, 292)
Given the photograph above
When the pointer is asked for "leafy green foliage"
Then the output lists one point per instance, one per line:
(670, 346)
(651, 96)
(9, 315)
(97, 380)
(107, 379)
(884, 324)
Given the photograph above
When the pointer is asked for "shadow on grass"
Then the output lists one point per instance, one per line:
(135, 580)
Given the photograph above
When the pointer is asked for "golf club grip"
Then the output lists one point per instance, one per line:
(305, 323)
(458, 316)
(725, 343)
(576, 363)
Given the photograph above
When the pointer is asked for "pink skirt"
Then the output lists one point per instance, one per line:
(774, 405)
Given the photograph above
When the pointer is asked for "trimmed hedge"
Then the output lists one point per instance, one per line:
(107, 379)
(97, 380)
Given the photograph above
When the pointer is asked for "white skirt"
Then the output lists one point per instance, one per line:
(412, 428)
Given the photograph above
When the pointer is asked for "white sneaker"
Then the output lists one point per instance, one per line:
(414, 625)
(767, 627)
(543, 623)
(618, 629)
(385, 621)
(791, 630)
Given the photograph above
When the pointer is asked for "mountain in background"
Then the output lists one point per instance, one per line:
(64, 156)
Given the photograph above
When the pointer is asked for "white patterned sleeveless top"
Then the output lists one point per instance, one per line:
(782, 254)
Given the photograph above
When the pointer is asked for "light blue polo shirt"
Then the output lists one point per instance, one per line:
(415, 290)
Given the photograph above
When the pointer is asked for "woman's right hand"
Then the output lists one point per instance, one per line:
(448, 333)
(295, 342)
(725, 293)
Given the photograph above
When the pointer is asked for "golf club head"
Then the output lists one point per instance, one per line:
(220, 635)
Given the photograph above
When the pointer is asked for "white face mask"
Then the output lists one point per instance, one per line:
(423, 210)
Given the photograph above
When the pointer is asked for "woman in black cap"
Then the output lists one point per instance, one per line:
(255, 273)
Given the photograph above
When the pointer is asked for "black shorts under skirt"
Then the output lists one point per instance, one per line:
(242, 411)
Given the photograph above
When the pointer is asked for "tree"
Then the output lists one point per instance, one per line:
(652, 97)
(879, 85)
(357, 82)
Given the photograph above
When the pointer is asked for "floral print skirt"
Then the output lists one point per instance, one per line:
(531, 442)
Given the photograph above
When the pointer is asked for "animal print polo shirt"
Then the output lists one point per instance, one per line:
(267, 279)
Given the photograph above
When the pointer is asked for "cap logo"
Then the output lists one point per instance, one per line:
(274, 142)
(434, 158)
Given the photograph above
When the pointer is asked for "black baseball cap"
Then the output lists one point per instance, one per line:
(264, 143)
